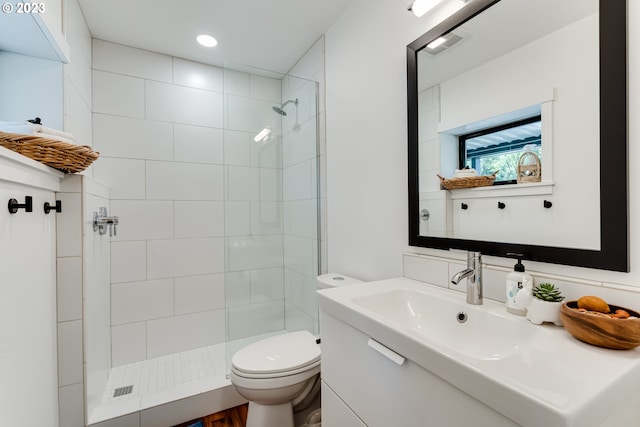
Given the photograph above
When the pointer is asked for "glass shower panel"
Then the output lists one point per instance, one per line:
(271, 205)
(301, 203)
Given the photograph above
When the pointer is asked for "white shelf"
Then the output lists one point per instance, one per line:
(34, 34)
(508, 190)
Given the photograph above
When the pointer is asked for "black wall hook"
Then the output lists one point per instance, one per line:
(13, 205)
(56, 208)
(464, 206)
(501, 205)
(547, 204)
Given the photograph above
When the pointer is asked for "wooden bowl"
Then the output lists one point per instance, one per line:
(601, 330)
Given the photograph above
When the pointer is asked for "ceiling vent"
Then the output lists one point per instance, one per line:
(442, 43)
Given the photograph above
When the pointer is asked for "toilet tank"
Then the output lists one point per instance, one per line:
(333, 280)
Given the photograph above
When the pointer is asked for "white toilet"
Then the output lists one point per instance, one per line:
(281, 374)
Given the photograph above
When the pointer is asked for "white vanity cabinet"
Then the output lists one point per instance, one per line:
(397, 352)
(335, 412)
(28, 337)
(375, 391)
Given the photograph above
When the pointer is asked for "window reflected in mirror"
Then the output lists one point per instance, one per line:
(499, 148)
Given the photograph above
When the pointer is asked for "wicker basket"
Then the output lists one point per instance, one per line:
(65, 157)
(467, 182)
(529, 168)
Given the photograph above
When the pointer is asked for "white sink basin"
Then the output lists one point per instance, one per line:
(534, 375)
(447, 321)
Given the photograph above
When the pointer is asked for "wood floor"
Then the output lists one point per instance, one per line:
(234, 417)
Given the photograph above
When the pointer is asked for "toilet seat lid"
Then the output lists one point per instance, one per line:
(280, 353)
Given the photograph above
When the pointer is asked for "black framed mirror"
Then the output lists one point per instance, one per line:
(612, 210)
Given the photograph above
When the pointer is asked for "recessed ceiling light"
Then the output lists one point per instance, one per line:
(207, 40)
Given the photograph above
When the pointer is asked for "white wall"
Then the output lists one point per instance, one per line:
(38, 79)
(367, 137)
(366, 104)
(77, 267)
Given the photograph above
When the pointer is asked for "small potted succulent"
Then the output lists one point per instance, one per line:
(543, 304)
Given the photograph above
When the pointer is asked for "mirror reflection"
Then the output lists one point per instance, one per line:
(521, 77)
(569, 204)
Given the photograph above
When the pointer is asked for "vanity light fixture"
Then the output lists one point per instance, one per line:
(262, 135)
(206, 40)
(420, 7)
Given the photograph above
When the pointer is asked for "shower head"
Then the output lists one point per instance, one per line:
(280, 109)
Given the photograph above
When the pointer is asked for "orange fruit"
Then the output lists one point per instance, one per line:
(592, 303)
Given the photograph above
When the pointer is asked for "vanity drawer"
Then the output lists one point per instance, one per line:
(335, 412)
(384, 392)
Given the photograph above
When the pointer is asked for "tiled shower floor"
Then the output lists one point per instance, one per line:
(168, 378)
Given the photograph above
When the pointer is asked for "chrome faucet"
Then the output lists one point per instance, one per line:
(101, 222)
(473, 274)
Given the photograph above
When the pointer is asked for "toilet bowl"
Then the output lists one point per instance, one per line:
(275, 375)
(281, 374)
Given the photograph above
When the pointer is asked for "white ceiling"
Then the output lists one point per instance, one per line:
(267, 34)
(503, 28)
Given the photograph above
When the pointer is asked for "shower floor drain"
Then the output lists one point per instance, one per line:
(121, 391)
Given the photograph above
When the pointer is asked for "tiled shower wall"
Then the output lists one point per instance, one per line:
(83, 299)
(429, 153)
(73, 267)
(200, 246)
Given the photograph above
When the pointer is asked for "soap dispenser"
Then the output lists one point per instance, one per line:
(517, 281)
